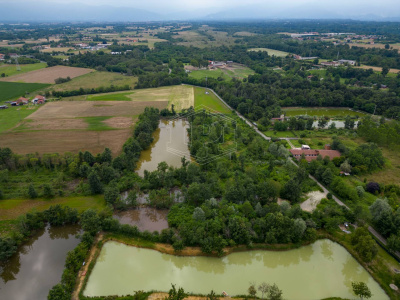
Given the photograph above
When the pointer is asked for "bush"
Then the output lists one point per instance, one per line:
(329, 196)
(373, 187)
(32, 192)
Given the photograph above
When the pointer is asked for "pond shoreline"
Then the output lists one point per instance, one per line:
(196, 251)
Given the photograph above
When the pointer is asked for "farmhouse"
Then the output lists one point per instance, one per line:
(39, 99)
(330, 63)
(348, 62)
(313, 154)
(2, 56)
(20, 101)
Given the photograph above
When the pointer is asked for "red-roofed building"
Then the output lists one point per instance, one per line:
(313, 154)
(20, 101)
(2, 56)
(39, 99)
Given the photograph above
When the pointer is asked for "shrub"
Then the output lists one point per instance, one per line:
(373, 187)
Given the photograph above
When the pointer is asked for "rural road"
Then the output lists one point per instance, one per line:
(370, 229)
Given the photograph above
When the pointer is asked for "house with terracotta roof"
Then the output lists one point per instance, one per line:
(39, 99)
(20, 101)
(311, 154)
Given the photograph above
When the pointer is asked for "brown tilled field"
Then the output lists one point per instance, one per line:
(48, 75)
(61, 141)
(76, 109)
(60, 127)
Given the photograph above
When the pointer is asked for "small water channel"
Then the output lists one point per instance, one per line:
(145, 218)
(169, 145)
(38, 265)
(323, 269)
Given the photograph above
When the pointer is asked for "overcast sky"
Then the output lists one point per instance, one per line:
(164, 6)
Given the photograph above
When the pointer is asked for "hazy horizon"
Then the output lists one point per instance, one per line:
(156, 10)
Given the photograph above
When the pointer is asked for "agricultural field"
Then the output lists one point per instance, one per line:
(11, 90)
(200, 38)
(12, 208)
(71, 126)
(271, 51)
(59, 49)
(380, 46)
(48, 75)
(244, 33)
(209, 100)
(321, 111)
(11, 69)
(94, 80)
(227, 73)
(378, 69)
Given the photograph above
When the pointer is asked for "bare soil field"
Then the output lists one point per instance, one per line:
(48, 75)
(53, 124)
(59, 141)
(76, 109)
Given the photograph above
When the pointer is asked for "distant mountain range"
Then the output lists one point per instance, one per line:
(50, 12)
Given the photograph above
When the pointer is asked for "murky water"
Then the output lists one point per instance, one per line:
(323, 269)
(145, 218)
(144, 197)
(169, 145)
(39, 264)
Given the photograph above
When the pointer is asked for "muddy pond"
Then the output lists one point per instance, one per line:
(145, 218)
(38, 265)
(323, 269)
(170, 144)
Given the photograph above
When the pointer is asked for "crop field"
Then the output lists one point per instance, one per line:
(378, 69)
(270, 51)
(71, 126)
(94, 80)
(227, 73)
(209, 101)
(10, 90)
(196, 38)
(48, 75)
(59, 49)
(320, 111)
(380, 46)
(11, 69)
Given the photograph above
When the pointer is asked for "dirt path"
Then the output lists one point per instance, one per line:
(84, 269)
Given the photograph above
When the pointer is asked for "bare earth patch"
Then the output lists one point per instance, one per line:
(48, 75)
(57, 124)
(119, 122)
(314, 198)
(75, 109)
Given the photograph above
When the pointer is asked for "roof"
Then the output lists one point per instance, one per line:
(23, 99)
(39, 97)
(313, 154)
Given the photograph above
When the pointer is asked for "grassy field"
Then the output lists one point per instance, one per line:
(10, 117)
(12, 208)
(94, 80)
(10, 70)
(280, 134)
(111, 97)
(227, 73)
(270, 51)
(10, 90)
(97, 123)
(320, 111)
(209, 101)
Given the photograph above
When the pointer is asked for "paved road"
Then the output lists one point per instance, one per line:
(371, 230)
